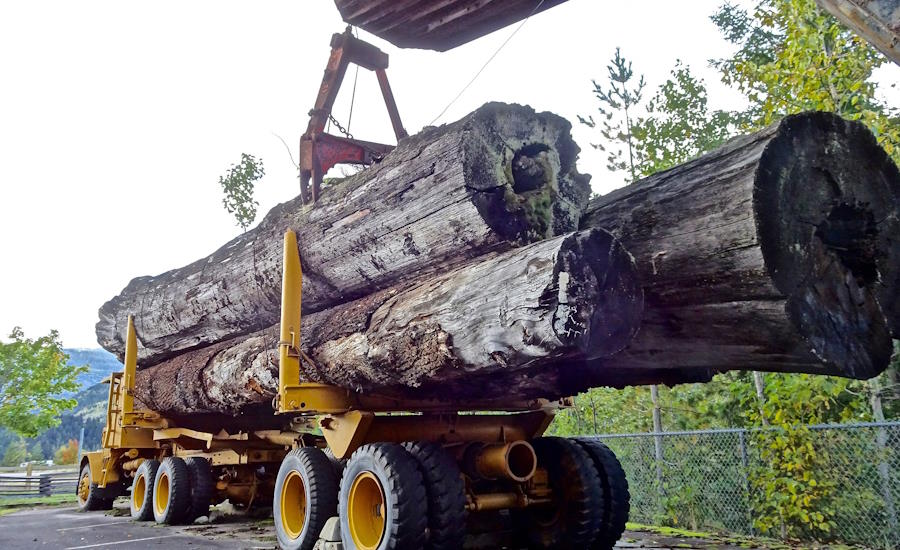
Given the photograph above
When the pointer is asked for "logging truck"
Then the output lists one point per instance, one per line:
(394, 473)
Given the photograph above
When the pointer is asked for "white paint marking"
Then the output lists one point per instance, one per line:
(94, 525)
(117, 542)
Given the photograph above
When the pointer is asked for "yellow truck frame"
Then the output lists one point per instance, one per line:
(386, 472)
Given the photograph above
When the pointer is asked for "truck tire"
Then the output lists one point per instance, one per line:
(616, 498)
(305, 497)
(573, 520)
(142, 490)
(446, 494)
(336, 463)
(201, 487)
(90, 497)
(171, 491)
(382, 503)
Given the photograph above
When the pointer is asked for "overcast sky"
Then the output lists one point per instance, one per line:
(117, 118)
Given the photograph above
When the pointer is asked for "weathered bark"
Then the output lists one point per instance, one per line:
(500, 177)
(502, 317)
(777, 252)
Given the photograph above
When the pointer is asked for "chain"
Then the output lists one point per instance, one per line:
(340, 128)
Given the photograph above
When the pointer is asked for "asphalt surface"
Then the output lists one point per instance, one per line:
(66, 528)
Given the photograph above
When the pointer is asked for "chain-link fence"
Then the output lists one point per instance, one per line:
(846, 489)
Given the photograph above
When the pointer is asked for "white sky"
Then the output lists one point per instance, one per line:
(117, 118)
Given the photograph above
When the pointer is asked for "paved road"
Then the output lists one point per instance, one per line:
(66, 528)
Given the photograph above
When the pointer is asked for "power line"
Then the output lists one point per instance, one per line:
(486, 63)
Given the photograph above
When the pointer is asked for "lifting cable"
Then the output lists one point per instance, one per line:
(486, 63)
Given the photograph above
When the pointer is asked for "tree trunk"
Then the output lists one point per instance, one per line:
(502, 318)
(777, 252)
(502, 176)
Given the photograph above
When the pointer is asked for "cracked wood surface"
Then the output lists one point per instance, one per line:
(504, 317)
(501, 177)
(777, 252)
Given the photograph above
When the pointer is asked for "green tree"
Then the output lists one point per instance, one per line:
(16, 453)
(794, 57)
(238, 184)
(679, 124)
(34, 374)
(35, 451)
(617, 105)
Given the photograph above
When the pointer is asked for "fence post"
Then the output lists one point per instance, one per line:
(657, 442)
(745, 461)
(45, 485)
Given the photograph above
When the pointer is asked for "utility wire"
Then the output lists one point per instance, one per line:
(486, 63)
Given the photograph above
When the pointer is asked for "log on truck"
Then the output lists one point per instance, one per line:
(780, 251)
(488, 328)
(500, 177)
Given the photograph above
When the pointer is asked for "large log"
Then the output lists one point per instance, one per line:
(504, 317)
(500, 177)
(777, 252)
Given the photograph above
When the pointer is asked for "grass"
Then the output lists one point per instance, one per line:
(733, 540)
(9, 505)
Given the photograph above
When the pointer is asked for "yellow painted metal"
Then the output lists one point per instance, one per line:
(161, 493)
(291, 301)
(84, 488)
(130, 371)
(365, 511)
(516, 461)
(292, 510)
(139, 490)
(176, 433)
(347, 432)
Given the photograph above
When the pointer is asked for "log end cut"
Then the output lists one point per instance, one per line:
(827, 203)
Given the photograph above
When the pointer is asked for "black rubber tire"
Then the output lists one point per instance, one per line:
(176, 501)
(405, 504)
(321, 493)
(616, 498)
(574, 519)
(147, 470)
(336, 463)
(96, 499)
(446, 494)
(201, 488)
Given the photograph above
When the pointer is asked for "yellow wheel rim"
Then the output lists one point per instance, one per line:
(293, 504)
(365, 511)
(161, 494)
(139, 492)
(84, 488)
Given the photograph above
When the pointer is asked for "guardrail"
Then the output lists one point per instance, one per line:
(43, 485)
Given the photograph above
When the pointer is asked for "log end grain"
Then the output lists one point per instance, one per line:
(827, 204)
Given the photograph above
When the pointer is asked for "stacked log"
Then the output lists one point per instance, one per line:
(454, 270)
(500, 177)
(500, 317)
(780, 251)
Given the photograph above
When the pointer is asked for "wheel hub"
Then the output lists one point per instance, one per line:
(293, 505)
(365, 510)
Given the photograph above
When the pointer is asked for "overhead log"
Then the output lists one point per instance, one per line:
(501, 177)
(780, 251)
(501, 317)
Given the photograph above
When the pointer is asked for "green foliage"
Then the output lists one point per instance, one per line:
(794, 57)
(35, 451)
(679, 124)
(238, 184)
(617, 104)
(33, 376)
(15, 454)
